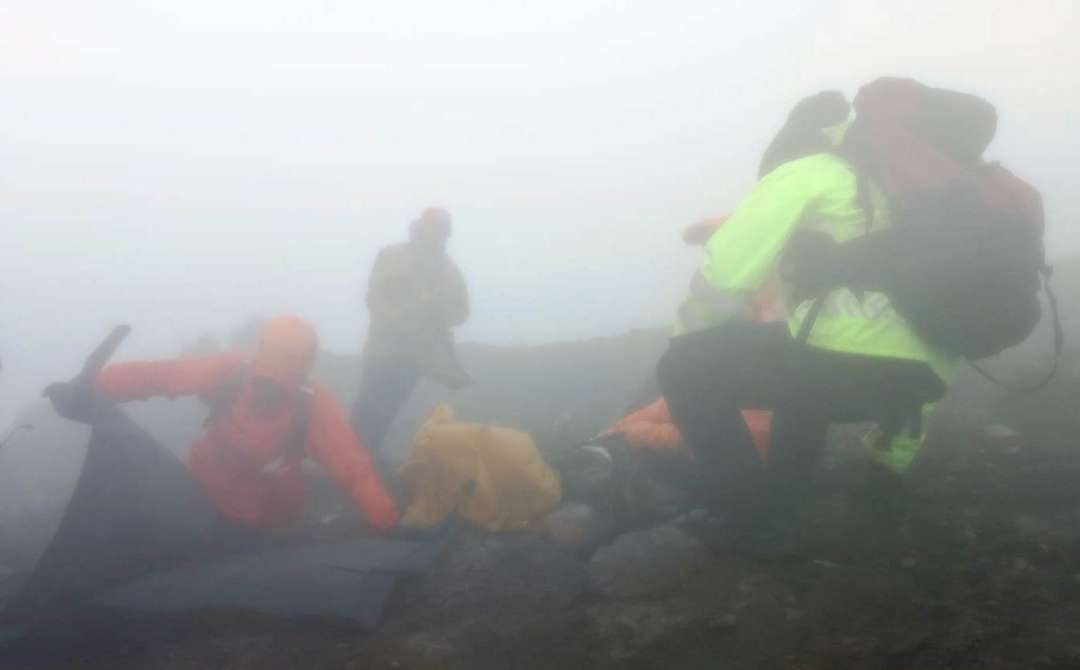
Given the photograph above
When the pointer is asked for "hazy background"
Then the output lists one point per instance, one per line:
(183, 164)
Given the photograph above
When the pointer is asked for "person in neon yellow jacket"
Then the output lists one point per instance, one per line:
(861, 361)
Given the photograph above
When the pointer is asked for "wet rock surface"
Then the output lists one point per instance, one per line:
(971, 562)
(645, 563)
(577, 527)
(492, 595)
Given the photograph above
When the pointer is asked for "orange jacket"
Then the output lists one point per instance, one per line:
(227, 459)
(651, 428)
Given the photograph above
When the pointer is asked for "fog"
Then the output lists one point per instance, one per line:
(180, 166)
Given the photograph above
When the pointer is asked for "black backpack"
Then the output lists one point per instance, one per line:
(964, 274)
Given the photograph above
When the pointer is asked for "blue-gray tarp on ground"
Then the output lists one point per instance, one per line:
(139, 534)
(349, 579)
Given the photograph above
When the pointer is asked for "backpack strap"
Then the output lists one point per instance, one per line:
(293, 447)
(221, 400)
(811, 318)
(1059, 345)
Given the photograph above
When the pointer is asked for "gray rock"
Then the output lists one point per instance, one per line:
(575, 526)
(586, 472)
(624, 630)
(488, 595)
(646, 563)
(999, 432)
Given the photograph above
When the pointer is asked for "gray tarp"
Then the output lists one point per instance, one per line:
(138, 534)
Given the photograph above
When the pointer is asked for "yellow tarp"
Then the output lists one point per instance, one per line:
(494, 477)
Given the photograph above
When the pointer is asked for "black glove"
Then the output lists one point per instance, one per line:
(812, 264)
(74, 400)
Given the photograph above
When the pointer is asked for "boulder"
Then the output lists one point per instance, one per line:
(490, 595)
(574, 526)
(646, 563)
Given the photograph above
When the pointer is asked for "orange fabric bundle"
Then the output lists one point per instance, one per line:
(652, 428)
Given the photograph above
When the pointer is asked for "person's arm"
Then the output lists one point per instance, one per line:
(697, 234)
(139, 380)
(381, 301)
(332, 442)
(745, 250)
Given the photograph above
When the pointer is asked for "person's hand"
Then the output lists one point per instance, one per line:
(697, 234)
(74, 400)
(383, 515)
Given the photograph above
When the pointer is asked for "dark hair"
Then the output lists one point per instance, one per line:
(801, 135)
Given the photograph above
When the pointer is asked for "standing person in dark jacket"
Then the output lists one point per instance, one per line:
(416, 296)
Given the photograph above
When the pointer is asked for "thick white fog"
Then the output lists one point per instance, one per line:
(182, 165)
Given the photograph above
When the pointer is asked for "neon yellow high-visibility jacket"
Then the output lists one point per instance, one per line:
(818, 192)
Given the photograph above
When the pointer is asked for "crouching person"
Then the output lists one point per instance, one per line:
(847, 356)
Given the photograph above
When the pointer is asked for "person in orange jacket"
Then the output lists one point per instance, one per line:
(266, 418)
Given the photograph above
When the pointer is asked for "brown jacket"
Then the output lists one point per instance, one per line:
(414, 301)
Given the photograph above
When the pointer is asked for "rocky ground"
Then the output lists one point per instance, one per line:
(976, 564)
(973, 563)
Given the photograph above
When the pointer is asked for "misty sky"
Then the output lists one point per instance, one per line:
(181, 164)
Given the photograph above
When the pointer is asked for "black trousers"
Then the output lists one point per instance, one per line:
(708, 377)
(385, 385)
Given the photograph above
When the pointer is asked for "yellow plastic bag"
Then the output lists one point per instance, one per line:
(493, 477)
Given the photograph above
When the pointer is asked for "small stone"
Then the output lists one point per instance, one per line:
(1031, 525)
(726, 621)
(572, 525)
(999, 431)
(909, 562)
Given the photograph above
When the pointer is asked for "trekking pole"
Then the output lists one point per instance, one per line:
(74, 399)
(102, 353)
(17, 429)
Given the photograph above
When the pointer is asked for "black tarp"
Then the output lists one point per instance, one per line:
(140, 535)
(348, 579)
(134, 509)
